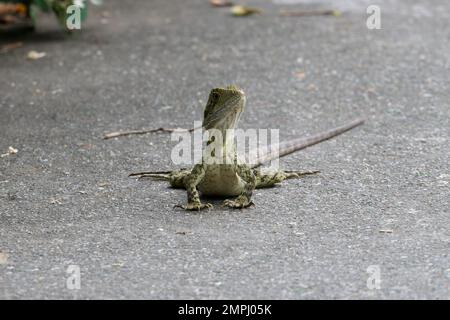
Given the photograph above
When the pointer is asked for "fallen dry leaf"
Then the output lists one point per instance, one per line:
(34, 55)
(87, 146)
(10, 46)
(118, 264)
(55, 201)
(11, 151)
(3, 258)
(301, 75)
(447, 272)
(242, 11)
(12, 8)
(104, 184)
(221, 3)
(105, 15)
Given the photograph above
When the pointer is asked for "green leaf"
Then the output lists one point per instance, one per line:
(84, 13)
(44, 5)
(33, 10)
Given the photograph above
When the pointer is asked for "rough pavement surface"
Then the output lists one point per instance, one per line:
(382, 199)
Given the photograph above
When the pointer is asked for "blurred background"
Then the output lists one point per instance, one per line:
(306, 66)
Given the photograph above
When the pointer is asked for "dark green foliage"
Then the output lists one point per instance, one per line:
(58, 7)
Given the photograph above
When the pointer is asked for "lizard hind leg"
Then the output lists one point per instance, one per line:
(175, 178)
(267, 179)
(294, 174)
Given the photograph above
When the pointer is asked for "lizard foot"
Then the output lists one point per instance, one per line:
(194, 206)
(238, 203)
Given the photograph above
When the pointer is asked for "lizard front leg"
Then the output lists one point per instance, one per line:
(190, 183)
(175, 178)
(244, 199)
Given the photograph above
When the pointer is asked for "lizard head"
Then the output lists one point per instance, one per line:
(223, 108)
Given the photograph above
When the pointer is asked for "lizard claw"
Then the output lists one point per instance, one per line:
(194, 206)
(238, 203)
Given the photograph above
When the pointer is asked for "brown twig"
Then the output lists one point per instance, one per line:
(10, 46)
(309, 13)
(145, 131)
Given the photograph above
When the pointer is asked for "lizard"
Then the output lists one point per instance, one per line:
(234, 178)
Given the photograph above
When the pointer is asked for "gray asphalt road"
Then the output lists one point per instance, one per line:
(380, 203)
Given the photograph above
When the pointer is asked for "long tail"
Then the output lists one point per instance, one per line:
(291, 146)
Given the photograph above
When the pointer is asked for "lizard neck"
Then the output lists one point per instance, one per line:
(221, 138)
(221, 142)
(222, 113)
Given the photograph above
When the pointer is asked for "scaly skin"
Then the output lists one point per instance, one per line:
(222, 112)
(232, 178)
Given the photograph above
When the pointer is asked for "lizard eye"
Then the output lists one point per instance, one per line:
(215, 95)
